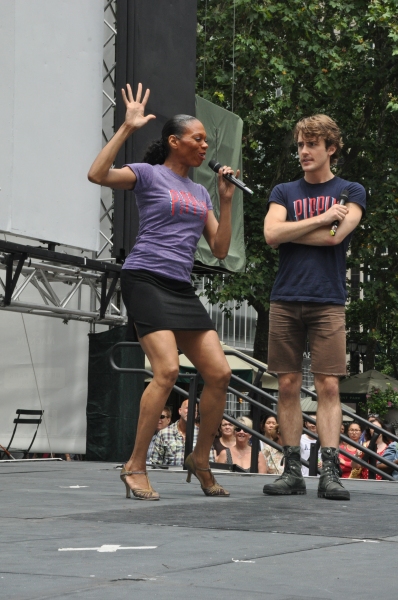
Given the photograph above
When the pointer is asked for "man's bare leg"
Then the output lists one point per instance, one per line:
(289, 409)
(328, 416)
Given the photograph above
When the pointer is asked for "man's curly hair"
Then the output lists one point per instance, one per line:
(321, 126)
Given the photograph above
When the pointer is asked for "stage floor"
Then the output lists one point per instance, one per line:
(67, 532)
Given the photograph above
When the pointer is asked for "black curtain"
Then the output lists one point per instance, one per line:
(155, 46)
(113, 398)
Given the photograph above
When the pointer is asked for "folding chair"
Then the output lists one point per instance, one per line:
(22, 421)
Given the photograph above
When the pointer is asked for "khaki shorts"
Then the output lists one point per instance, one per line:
(290, 323)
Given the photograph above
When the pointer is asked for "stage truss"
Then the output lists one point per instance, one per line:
(71, 286)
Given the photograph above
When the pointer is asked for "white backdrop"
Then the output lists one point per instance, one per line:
(43, 365)
(50, 119)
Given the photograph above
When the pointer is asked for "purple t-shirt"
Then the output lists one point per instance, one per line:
(173, 211)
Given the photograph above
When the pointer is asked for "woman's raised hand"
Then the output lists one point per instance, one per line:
(135, 109)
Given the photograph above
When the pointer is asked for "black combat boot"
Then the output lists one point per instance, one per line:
(291, 481)
(329, 484)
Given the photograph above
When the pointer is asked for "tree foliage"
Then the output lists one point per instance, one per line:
(275, 62)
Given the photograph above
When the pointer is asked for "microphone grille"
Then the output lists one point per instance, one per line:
(344, 195)
(213, 164)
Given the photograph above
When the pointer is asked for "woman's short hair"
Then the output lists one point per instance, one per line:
(158, 151)
(321, 126)
(245, 421)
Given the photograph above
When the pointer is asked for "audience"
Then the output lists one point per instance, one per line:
(348, 467)
(169, 445)
(306, 442)
(240, 454)
(226, 437)
(164, 421)
(233, 446)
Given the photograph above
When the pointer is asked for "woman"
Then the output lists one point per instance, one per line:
(377, 443)
(241, 453)
(268, 425)
(391, 453)
(348, 467)
(174, 212)
(226, 437)
(273, 456)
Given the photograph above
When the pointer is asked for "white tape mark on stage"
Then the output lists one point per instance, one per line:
(108, 548)
(245, 561)
(75, 487)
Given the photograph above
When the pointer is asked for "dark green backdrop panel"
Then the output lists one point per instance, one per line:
(224, 135)
(113, 398)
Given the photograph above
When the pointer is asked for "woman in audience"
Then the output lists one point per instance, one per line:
(241, 453)
(267, 427)
(377, 443)
(273, 456)
(391, 453)
(226, 437)
(348, 467)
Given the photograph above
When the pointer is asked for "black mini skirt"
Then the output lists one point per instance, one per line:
(156, 303)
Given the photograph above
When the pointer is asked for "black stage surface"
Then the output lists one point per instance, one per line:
(67, 532)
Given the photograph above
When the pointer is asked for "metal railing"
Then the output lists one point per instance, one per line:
(254, 397)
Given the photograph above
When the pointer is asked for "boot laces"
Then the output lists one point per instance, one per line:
(332, 468)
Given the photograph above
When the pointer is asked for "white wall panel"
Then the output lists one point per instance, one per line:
(43, 365)
(50, 119)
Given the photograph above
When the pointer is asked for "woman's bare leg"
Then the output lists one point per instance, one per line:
(203, 349)
(161, 350)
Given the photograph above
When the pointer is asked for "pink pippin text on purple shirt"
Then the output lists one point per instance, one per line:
(305, 208)
(185, 202)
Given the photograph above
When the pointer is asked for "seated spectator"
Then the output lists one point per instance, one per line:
(273, 456)
(365, 436)
(348, 467)
(226, 437)
(391, 453)
(305, 445)
(268, 425)
(241, 453)
(169, 446)
(164, 421)
(376, 442)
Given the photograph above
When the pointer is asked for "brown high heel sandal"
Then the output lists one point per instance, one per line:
(141, 494)
(213, 490)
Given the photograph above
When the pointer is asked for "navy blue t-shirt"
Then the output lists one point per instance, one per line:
(313, 273)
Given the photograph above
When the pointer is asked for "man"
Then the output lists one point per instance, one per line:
(169, 446)
(308, 297)
(164, 421)
(306, 442)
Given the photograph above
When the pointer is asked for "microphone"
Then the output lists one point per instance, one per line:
(213, 164)
(342, 200)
